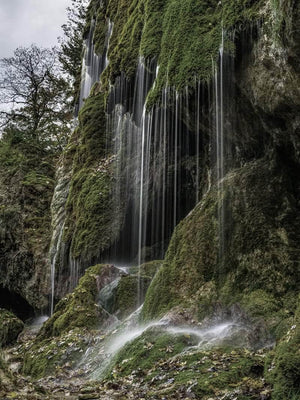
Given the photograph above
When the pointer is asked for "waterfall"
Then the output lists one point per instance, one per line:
(53, 264)
(224, 128)
(92, 67)
(219, 104)
(93, 64)
(130, 128)
(155, 154)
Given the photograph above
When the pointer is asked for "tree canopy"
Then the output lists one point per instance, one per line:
(35, 95)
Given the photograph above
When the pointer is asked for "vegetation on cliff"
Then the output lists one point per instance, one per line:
(27, 182)
(234, 257)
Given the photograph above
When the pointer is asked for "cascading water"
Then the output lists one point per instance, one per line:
(93, 64)
(224, 129)
(92, 67)
(219, 121)
(155, 153)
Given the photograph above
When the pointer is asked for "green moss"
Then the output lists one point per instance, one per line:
(150, 268)
(127, 17)
(77, 309)
(153, 345)
(183, 36)
(283, 371)
(126, 299)
(189, 262)
(46, 357)
(92, 222)
(258, 258)
(147, 269)
(168, 364)
(26, 189)
(10, 327)
(100, 31)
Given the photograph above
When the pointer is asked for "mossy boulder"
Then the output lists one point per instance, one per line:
(10, 327)
(129, 294)
(258, 266)
(80, 309)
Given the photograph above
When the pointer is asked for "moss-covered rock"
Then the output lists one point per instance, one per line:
(257, 267)
(183, 36)
(130, 293)
(153, 345)
(92, 216)
(80, 308)
(10, 327)
(283, 369)
(148, 268)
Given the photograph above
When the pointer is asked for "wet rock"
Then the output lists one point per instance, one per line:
(10, 327)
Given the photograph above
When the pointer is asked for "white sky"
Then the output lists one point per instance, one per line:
(23, 22)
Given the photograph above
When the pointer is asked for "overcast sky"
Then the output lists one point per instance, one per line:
(23, 22)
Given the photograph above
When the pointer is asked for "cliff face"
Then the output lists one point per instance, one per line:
(219, 82)
(246, 108)
(187, 149)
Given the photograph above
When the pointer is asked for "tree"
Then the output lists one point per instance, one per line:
(70, 53)
(34, 95)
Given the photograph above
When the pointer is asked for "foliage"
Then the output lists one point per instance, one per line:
(35, 96)
(70, 52)
(47, 356)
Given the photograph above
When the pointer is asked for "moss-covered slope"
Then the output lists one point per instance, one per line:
(260, 234)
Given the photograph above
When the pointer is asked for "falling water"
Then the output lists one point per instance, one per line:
(93, 64)
(220, 150)
(53, 264)
(92, 67)
(155, 150)
(107, 40)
